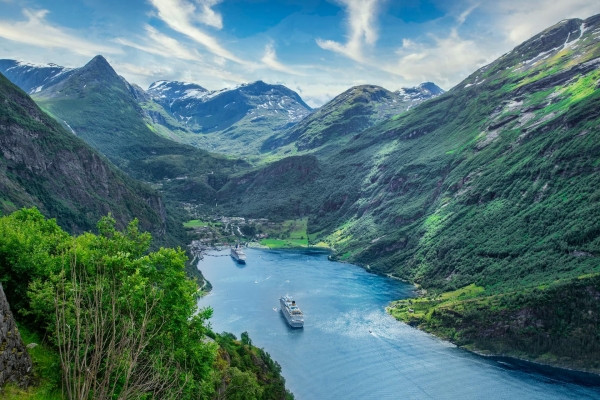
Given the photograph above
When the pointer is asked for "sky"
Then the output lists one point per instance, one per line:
(318, 48)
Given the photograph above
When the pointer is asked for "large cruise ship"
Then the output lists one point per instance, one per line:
(291, 311)
(238, 255)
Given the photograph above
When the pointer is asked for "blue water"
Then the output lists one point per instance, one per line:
(336, 357)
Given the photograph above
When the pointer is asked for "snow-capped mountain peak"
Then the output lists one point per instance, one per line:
(33, 77)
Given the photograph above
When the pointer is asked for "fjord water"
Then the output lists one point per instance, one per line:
(349, 347)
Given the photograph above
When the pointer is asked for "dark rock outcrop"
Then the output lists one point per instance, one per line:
(15, 363)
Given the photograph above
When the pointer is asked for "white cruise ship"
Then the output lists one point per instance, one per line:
(291, 312)
(238, 254)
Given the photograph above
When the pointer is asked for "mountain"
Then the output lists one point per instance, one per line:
(487, 196)
(103, 109)
(167, 92)
(32, 78)
(43, 165)
(351, 112)
(234, 120)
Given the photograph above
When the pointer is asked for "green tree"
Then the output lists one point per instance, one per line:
(124, 320)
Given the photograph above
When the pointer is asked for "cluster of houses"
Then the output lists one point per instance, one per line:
(208, 235)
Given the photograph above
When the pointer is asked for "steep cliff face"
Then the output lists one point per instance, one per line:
(42, 164)
(15, 363)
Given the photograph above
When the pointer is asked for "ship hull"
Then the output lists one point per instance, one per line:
(239, 261)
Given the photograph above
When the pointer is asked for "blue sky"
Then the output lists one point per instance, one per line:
(316, 47)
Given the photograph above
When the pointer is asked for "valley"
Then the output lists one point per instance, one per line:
(484, 199)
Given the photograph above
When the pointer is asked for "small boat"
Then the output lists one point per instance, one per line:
(255, 281)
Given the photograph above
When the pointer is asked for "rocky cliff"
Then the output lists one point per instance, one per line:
(15, 363)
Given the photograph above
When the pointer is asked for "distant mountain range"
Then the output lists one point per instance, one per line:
(233, 120)
(99, 106)
(245, 120)
(488, 193)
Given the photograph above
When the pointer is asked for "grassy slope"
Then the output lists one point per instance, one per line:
(291, 233)
(553, 324)
(46, 371)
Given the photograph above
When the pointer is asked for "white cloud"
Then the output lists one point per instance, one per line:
(361, 25)
(519, 20)
(498, 27)
(207, 15)
(270, 60)
(180, 16)
(443, 60)
(36, 31)
(161, 45)
(138, 70)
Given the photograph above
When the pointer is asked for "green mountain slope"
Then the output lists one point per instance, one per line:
(355, 110)
(42, 164)
(279, 190)
(102, 108)
(487, 173)
(494, 183)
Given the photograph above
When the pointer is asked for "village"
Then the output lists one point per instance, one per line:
(218, 232)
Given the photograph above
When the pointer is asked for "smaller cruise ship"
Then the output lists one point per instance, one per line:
(291, 311)
(238, 254)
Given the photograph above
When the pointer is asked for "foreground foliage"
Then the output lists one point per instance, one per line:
(122, 321)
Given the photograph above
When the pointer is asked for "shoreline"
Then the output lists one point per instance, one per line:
(481, 353)
(594, 374)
